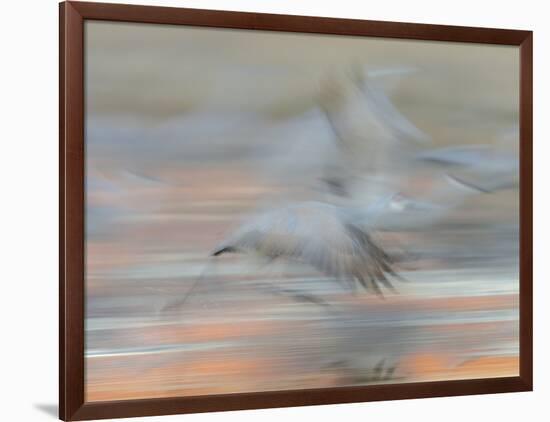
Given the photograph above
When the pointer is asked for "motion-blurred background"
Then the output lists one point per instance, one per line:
(189, 131)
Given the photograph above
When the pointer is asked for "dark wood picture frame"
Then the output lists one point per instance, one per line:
(72, 405)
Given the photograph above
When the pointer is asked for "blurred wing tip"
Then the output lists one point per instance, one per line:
(466, 184)
(224, 249)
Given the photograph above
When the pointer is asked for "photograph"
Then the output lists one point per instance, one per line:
(269, 211)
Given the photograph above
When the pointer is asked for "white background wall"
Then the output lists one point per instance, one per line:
(28, 232)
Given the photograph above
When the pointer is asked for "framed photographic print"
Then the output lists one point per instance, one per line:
(265, 210)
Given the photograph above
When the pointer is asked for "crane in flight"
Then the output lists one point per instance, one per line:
(379, 148)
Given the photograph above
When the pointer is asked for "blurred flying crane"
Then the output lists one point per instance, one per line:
(337, 239)
(379, 145)
(332, 239)
(379, 148)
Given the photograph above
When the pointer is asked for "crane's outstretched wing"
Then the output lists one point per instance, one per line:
(482, 167)
(374, 137)
(321, 236)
